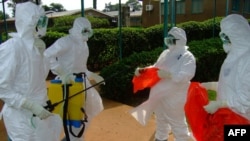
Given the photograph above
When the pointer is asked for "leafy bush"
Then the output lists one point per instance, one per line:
(141, 47)
(99, 22)
(209, 57)
(106, 47)
(51, 37)
(118, 77)
(63, 24)
(201, 30)
(154, 36)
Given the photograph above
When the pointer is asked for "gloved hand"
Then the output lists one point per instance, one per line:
(163, 74)
(210, 85)
(66, 78)
(97, 78)
(213, 106)
(138, 71)
(36, 109)
(38, 43)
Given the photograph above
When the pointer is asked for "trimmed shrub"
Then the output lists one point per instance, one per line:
(51, 37)
(118, 77)
(209, 58)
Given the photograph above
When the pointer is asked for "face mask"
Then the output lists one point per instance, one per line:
(170, 41)
(227, 47)
(226, 42)
(87, 32)
(85, 38)
(41, 26)
(224, 38)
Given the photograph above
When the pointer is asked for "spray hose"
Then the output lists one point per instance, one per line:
(50, 106)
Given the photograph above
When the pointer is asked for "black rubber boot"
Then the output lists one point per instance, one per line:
(160, 140)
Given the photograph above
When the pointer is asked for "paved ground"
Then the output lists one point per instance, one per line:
(113, 124)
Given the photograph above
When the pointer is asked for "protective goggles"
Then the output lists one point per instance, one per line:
(87, 32)
(42, 22)
(170, 40)
(225, 39)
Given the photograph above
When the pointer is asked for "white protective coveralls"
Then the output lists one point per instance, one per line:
(22, 81)
(69, 55)
(234, 79)
(168, 96)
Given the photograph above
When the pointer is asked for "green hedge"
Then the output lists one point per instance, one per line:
(209, 57)
(118, 77)
(201, 30)
(51, 37)
(141, 47)
(106, 48)
(63, 24)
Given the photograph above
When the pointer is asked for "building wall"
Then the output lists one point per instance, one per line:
(208, 11)
(152, 17)
(211, 8)
(10, 26)
(95, 14)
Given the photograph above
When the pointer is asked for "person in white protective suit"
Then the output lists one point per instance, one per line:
(234, 79)
(167, 98)
(69, 55)
(22, 82)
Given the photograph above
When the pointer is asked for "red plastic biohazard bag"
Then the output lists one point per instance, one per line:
(208, 127)
(214, 127)
(147, 78)
(196, 115)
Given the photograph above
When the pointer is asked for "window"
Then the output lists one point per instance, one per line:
(197, 6)
(246, 6)
(180, 7)
(162, 8)
(236, 5)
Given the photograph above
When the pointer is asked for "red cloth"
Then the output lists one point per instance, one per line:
(208, 127)
(147, 78)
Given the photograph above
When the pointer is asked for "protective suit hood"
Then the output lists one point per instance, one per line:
(181, 41)
(80, 24)
(27, 15)
(179, 34)
(237, 29)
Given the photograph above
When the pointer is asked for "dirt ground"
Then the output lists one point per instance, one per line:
(113, 124)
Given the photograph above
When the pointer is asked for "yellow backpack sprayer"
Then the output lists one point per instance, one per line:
(60, 96)
(70, 104)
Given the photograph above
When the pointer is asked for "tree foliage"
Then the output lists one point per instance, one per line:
(2, 15)
(57, 7)
(133, 4)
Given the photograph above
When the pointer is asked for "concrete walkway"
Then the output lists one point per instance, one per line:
(113, 124)
(116, 124)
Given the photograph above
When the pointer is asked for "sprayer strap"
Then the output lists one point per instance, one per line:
(80, 133)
